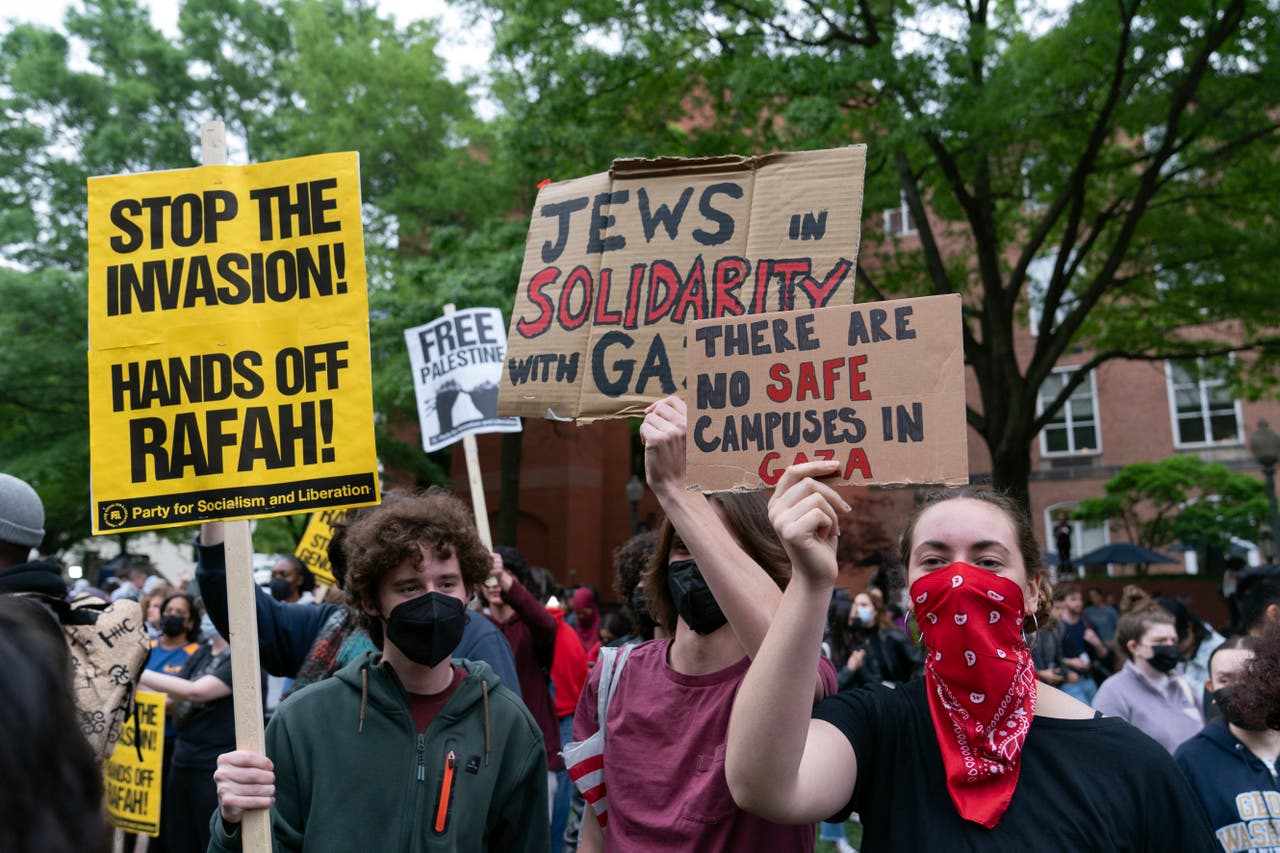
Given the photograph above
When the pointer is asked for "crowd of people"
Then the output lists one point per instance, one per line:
(735, 699)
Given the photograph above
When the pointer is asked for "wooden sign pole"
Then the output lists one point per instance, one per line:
(246, 686)
(478, 505)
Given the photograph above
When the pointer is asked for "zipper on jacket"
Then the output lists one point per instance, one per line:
(422, 757)
(446, 790)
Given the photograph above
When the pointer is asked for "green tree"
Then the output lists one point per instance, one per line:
(1102, 172)
(109, 94)
(1180, 499)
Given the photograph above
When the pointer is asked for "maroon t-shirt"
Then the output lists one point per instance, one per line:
(425, 706)
(664, 759)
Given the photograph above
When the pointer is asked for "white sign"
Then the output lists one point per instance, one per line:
(457, 365)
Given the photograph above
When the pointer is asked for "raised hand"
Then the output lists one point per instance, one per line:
(663, 435)
(805, 512)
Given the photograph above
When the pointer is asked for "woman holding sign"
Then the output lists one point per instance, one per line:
(977, 755)
(714, 583)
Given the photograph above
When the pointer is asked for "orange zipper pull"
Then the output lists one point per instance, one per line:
(446, 788)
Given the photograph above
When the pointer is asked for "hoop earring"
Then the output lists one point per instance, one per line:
(915, 635)
(1035, 632)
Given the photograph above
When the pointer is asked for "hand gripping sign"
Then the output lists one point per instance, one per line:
(228, 343)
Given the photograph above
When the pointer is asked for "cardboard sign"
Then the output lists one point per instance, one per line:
(133, 786)
(878, 387)
(314, 548)
(616, 263)
(228, 344)
(457, 365)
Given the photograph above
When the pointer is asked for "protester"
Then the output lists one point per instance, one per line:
(1196, 642)
(1231, 764)
(586, 615)
(1259, 682)
(1101, 615)
(923, 764)
(629, 562)
(1148, 692)
(152, 604)
(531, 631)
(1258, 598)
(569, 669)
(204, 725)
(1046, 649)
(404, 750)
(714, 584)
(616, 628)
(1082, 648)
(307, 642)
(52, 800)
(132, 585)
(1062, 534)
(292, 581)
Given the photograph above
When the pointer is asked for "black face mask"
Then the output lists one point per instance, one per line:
(1164, 658)
(428, 628)
(173, 626)
(692, 597)
(1224, 698)
(281, 589)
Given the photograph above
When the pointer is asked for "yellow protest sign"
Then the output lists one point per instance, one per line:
(133, 785)
(314, 548)
(228, 343)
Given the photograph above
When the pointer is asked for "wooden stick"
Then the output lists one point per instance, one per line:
(478, 505)
(246, 686)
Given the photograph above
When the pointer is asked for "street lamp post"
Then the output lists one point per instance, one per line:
(635, 491)
(1264, 444)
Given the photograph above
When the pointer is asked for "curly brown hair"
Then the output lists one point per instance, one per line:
(378, 541)
(1028, 546)
(1259, 682)
(747, 518)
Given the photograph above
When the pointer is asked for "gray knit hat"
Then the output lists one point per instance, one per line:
(21, 512)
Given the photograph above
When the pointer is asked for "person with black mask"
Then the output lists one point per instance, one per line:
(1231, 763)
(407, 749)
(713, 584)
(292, 581)
(1149, 692)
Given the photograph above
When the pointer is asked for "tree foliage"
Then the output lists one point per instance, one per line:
(108, 94)
(1180, 499)
(1101, 171)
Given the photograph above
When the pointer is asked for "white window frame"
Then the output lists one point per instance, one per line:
(1072, 450)
(906, 226)
(1203, 384)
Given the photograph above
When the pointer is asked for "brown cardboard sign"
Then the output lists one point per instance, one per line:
(878, 387)
(616, 263)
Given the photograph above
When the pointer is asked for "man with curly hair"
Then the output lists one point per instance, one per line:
(406, 749)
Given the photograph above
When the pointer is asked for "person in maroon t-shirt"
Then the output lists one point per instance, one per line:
(714, 584)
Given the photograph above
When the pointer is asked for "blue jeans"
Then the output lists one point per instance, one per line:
(564, 789)
(1084, 689)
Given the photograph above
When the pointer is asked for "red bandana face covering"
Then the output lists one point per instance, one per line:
(980, 681)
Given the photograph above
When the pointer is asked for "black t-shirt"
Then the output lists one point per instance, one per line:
(1095, 784)
(205, 729)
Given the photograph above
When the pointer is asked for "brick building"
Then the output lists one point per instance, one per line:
(573, 509)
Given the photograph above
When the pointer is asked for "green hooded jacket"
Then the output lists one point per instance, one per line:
(353, 773)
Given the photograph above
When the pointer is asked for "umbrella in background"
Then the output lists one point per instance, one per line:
(1124, 553)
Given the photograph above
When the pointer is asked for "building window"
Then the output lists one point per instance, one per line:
(1203, 408)
(898, 221)
(1074, 429)
(1039, 274)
